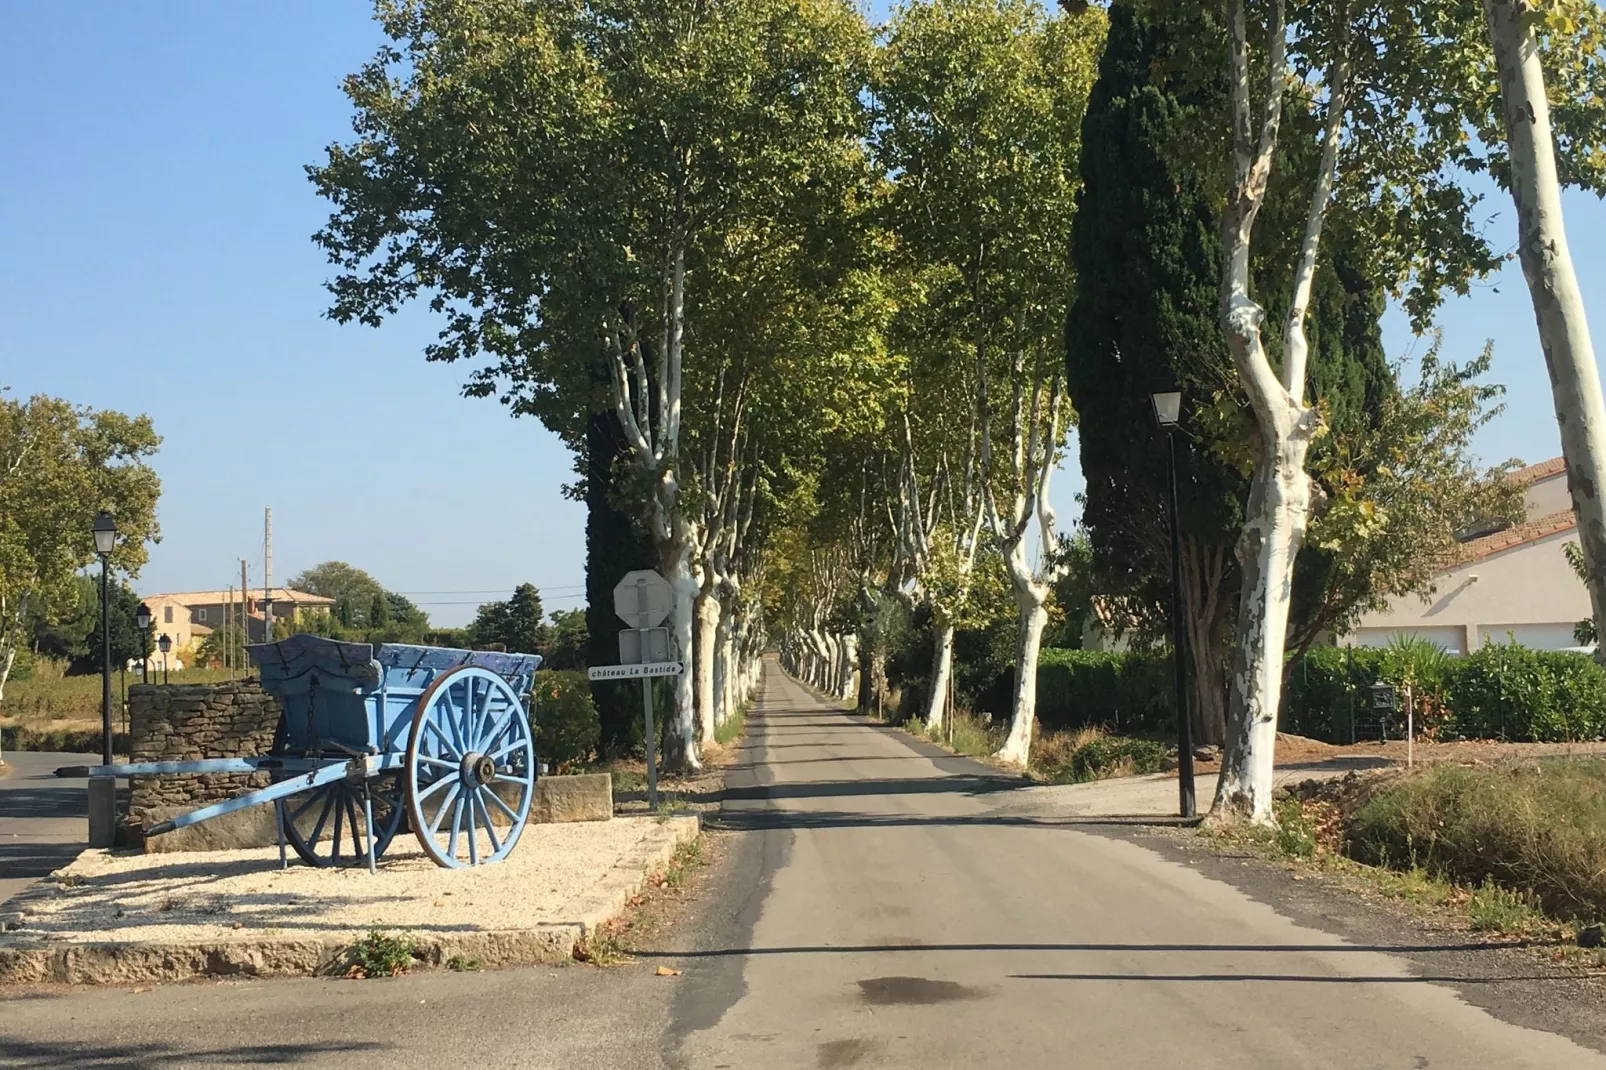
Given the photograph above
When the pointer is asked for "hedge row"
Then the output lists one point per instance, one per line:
(1500, 691)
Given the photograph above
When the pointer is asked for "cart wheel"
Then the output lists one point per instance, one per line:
(470, 768)
(325, 825)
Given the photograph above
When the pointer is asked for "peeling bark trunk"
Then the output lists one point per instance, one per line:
(850, 667)
(1558, 304)
(680, 744)
(707, 616)
(6, 661)
(1274, 530)
(942, 666)
(1033, 617)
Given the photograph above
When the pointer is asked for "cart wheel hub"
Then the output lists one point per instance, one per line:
(478, 768)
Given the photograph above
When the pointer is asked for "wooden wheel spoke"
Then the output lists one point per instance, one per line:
(334, 841)
(457, 827)
(437, 785)
(473, 837)
(358, 850)
(446, 804)
(490, 830)
(317, 830)
(426, 760)
(504, 807)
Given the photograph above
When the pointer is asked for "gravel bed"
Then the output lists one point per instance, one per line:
(175, 898)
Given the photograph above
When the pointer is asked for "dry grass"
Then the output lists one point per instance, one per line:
(51, 711)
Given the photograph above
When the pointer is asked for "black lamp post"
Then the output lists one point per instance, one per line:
(105, 531)
(164, 644)
(142, 618)
(1167, 400)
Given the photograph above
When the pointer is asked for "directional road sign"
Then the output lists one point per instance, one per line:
(643, 599)
(634, 672)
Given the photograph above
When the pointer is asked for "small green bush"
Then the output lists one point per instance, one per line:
(565, 718)
(1092, 754)
(1535, 828)
(381, 954)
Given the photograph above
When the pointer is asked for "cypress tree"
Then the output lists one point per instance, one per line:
(614, 546)
(1146, 248)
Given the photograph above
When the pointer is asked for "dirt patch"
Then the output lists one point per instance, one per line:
(1294, 751)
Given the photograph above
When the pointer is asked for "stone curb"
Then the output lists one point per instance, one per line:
(549, 943)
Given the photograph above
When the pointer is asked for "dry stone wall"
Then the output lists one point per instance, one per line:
(188, 722)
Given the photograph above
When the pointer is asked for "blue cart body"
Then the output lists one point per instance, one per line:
(373, 741)
(347, 698)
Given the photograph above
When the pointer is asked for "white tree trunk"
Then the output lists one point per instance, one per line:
(1033, 618)
(681, 753)
(942, 666)
(8, 657)
(1274, 530)
(1558, 304)
(707, 616)
(847, 674)
(724, 670)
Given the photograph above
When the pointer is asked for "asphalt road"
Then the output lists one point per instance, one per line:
(44, 822)
(877, 905)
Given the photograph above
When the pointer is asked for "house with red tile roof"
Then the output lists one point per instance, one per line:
(1510, 583)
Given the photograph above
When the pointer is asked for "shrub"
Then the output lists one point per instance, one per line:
(381, 954)
(1538, 829)
(1500, 691)
(1128, 692)
(565, 719)
(1093, 754)
(1505, 691)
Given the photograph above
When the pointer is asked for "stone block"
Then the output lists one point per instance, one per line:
(252, 827)
(586, 797)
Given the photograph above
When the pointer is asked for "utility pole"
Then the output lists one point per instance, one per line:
(228, 618)
(267, 575)
(245, 606)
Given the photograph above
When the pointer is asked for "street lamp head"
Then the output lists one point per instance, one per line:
(142, 616)
(164, 644)
(1166, 396)
(105, 530)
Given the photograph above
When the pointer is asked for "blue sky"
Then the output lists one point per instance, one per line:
(155, 222)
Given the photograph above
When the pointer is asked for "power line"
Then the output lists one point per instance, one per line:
(501, 590)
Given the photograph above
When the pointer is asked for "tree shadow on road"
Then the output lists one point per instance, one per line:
(47, 1055)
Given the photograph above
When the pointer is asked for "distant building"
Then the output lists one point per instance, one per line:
(188, 617)
(1511, 582)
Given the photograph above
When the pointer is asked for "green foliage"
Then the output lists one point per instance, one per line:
(381, 954)
(565, 719)
(567, 640)
(226, 645)
(730, 729)
(1500, 691)
(364, 611)
(1396, 492)
(514, 625)
(60, 465)
(1584, 630)
(1129, 692)
(1505, 691)
(1536, 829)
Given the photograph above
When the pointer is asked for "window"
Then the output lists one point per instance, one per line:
(167, 614)
(200, 614)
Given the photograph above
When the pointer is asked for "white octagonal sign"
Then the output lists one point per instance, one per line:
(643, 599)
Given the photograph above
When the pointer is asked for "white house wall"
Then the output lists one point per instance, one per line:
(1529, 591)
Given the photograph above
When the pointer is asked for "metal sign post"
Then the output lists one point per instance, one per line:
(643, 599)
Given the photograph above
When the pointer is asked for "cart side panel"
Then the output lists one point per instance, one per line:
(324, 687)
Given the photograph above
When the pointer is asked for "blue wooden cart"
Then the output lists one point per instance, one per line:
(374, 742)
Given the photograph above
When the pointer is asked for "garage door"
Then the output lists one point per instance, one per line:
(1534, 636)
(1449, 637)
